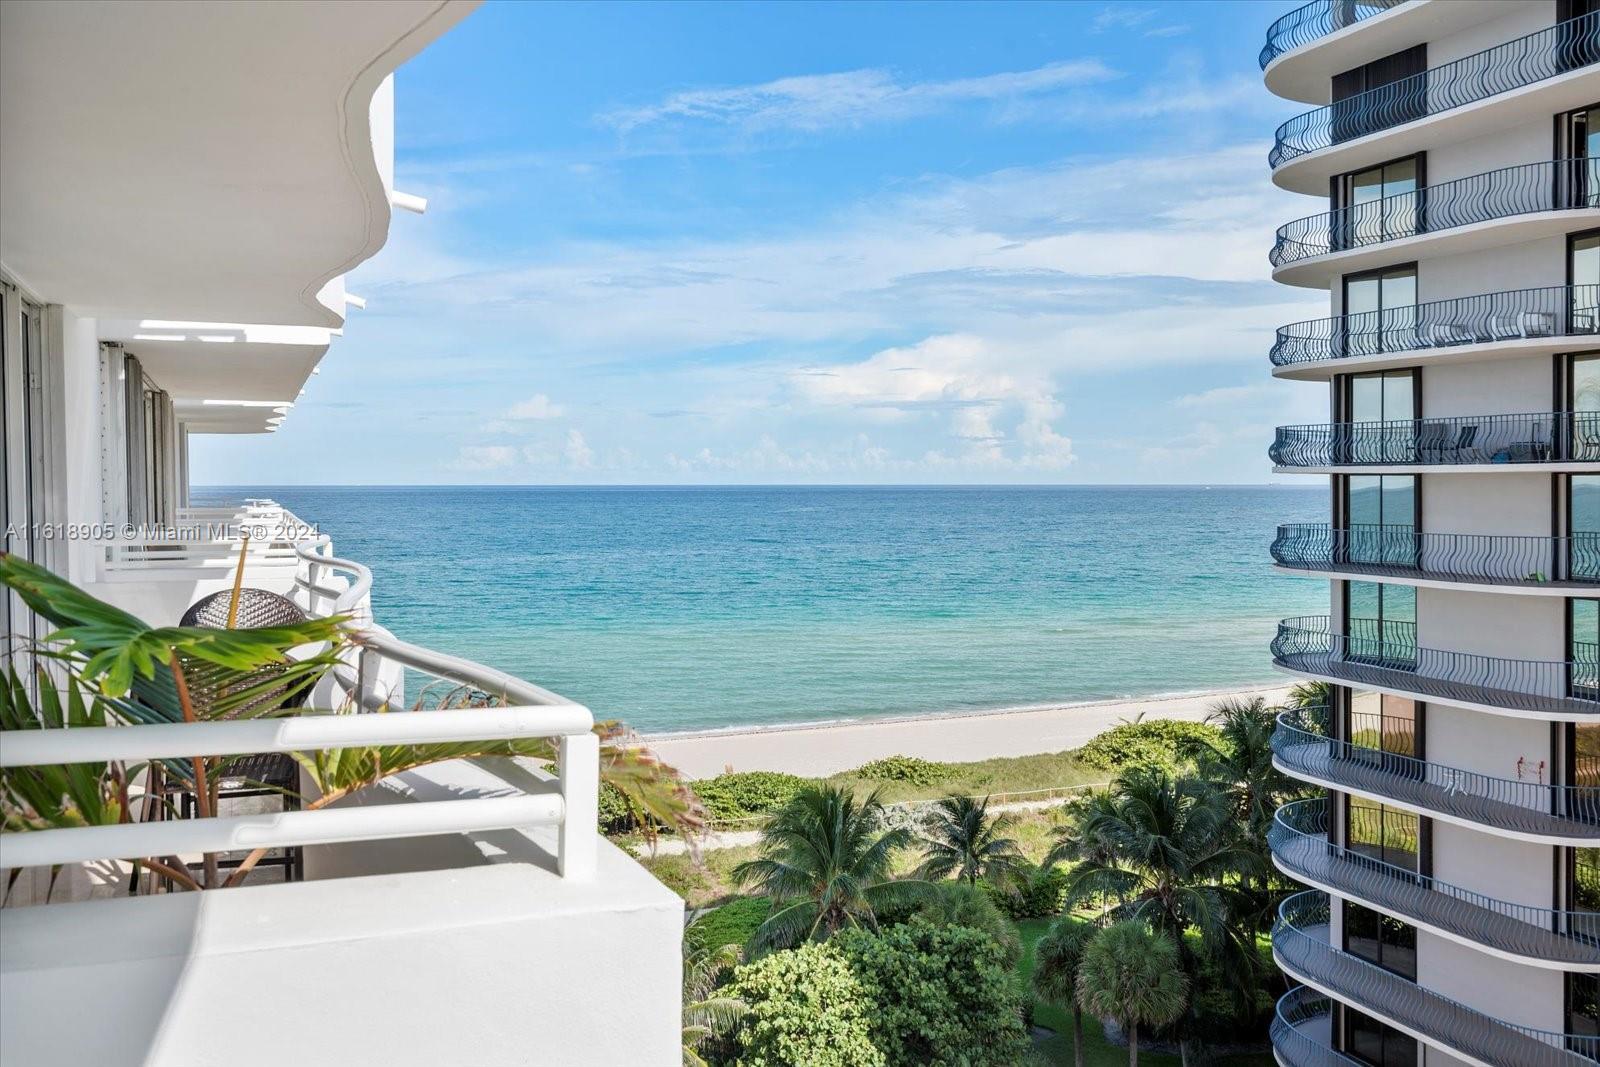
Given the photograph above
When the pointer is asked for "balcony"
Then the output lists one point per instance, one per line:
(1455, 215)
(1559, 440)
(1554, 565)
(1302, 1031)
(1522, 321)
(1317, 20)
(1302, 748)
(1390, 660)
(1517, 67)
(479, 884)
(1544, 937)
(1301, 946)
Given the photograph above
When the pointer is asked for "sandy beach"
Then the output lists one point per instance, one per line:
(831, 747)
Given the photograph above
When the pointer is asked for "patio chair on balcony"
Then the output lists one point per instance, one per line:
(1466, 441)
(1536, 449)
(1432, 441)
(253, 778)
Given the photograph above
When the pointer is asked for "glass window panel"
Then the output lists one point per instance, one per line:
(1361, 296)
(1586, 260)
(1366, 500)
(1586, 879)
(1583, 1004)
(1399, 725)
(1400, 289)
(1397, 396)
(1366, 398)
(1585, 621)
(1584, 616)
(1585, 503)
(1399, 500)
(1400, 178)
(1366, 731)
(1586, 383)
(1366, 185)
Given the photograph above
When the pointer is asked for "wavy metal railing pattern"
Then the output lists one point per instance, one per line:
(1302, 1031)
(1299, 840)
(1489, 318)
(1391, 659)
(1555, 185)
(1301, 745)
(1316, 20)
(1300, 942)
(1553, 51)
(1406, 552)
(1539, 437)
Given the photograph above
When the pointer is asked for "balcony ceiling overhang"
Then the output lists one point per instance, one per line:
(214, 162)
(1306, 73)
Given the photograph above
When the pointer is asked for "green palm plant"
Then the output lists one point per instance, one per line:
(963, 840)
(1171, 855)
(1310, 695)
(1131, 974)
(1057, 957)
(1240, 763)
(707, 1012)
(827, 865)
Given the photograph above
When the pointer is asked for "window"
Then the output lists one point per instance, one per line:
(1583, 879)
(30, 408)
(1380, 624)
(1583, 525)
(1370, 1041)
(1384, 722)
(1380, 310)
(1583, 1012)
(1354, 116)
(1583, 647)
(1578, 139)
(1377, 204)
(1380, 519)
(1381, 409)
(1385, 834)
(1380, 939)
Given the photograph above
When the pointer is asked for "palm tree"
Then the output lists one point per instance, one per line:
(1056, 959)
(826, 865)
(1078, 841)
(1172, 857)
(1131, 973)
(1310, 695)
(705, 1013)
(1240, 763)
(963, 840)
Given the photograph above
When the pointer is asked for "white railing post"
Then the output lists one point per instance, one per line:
(578, 759)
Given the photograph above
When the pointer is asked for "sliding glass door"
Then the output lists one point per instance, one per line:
(1380, 519)
(1380, 311)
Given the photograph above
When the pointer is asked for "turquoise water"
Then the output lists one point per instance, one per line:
(678, 609)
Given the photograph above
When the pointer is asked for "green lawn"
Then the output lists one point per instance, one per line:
(1098, 1052)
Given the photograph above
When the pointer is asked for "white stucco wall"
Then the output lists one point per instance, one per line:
(1456, 503)
(1491, 624)
(1530, 996)
(80, 357)
(1515, 871)
(1525, 17)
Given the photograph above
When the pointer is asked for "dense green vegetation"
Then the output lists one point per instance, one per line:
(943, 933)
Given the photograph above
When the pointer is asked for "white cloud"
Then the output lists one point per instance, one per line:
(850, 98)
(537, 406)
(577, 452)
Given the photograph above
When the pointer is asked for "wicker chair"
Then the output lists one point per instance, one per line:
(265, 773)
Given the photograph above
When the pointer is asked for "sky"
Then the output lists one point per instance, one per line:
(716, 243)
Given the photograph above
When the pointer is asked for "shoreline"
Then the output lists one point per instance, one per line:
(817, 749)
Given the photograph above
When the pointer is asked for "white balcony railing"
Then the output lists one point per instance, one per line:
(566, 799)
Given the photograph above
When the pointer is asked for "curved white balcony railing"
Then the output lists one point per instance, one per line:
(1547, 937)
(1544, 437)
(1394, 551)
(1301, 946)
(1303, 748)
(1316, 20)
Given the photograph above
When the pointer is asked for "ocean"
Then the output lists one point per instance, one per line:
(705, 608)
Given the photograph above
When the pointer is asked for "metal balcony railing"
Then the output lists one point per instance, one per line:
(1386, 656)
(1539, 437)
(1300, 943)
(1300, 844)
(1316, 20)
(567, 799)
(1550, 52)
(1302, 1031)
(1406, 552)
(1302, 747)
(1488, 318)
(1554, 185)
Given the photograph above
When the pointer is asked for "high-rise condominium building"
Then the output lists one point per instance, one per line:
(1454, 848)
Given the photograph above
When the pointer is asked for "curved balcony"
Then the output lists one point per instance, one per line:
(1539, 320)
(1554, 565)
(1316, 20)
(1302, 1031)
(1302, 749)
(1551, 439)
(1301, 946)
(1390, 660)
(1554, 186)
(1541, 936)
(1549, 53)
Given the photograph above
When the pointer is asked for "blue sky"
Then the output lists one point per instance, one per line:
(825, 243)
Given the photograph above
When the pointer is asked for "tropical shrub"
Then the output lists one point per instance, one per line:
(730, 924)
(803, 1006)
(1034, 892)
(1131, 973)
(937, 995)
(1163, 742)
(614, 815)
(744, 794)
(912, 770)
(959, 904)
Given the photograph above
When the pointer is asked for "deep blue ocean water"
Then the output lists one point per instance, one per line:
(689, 608)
